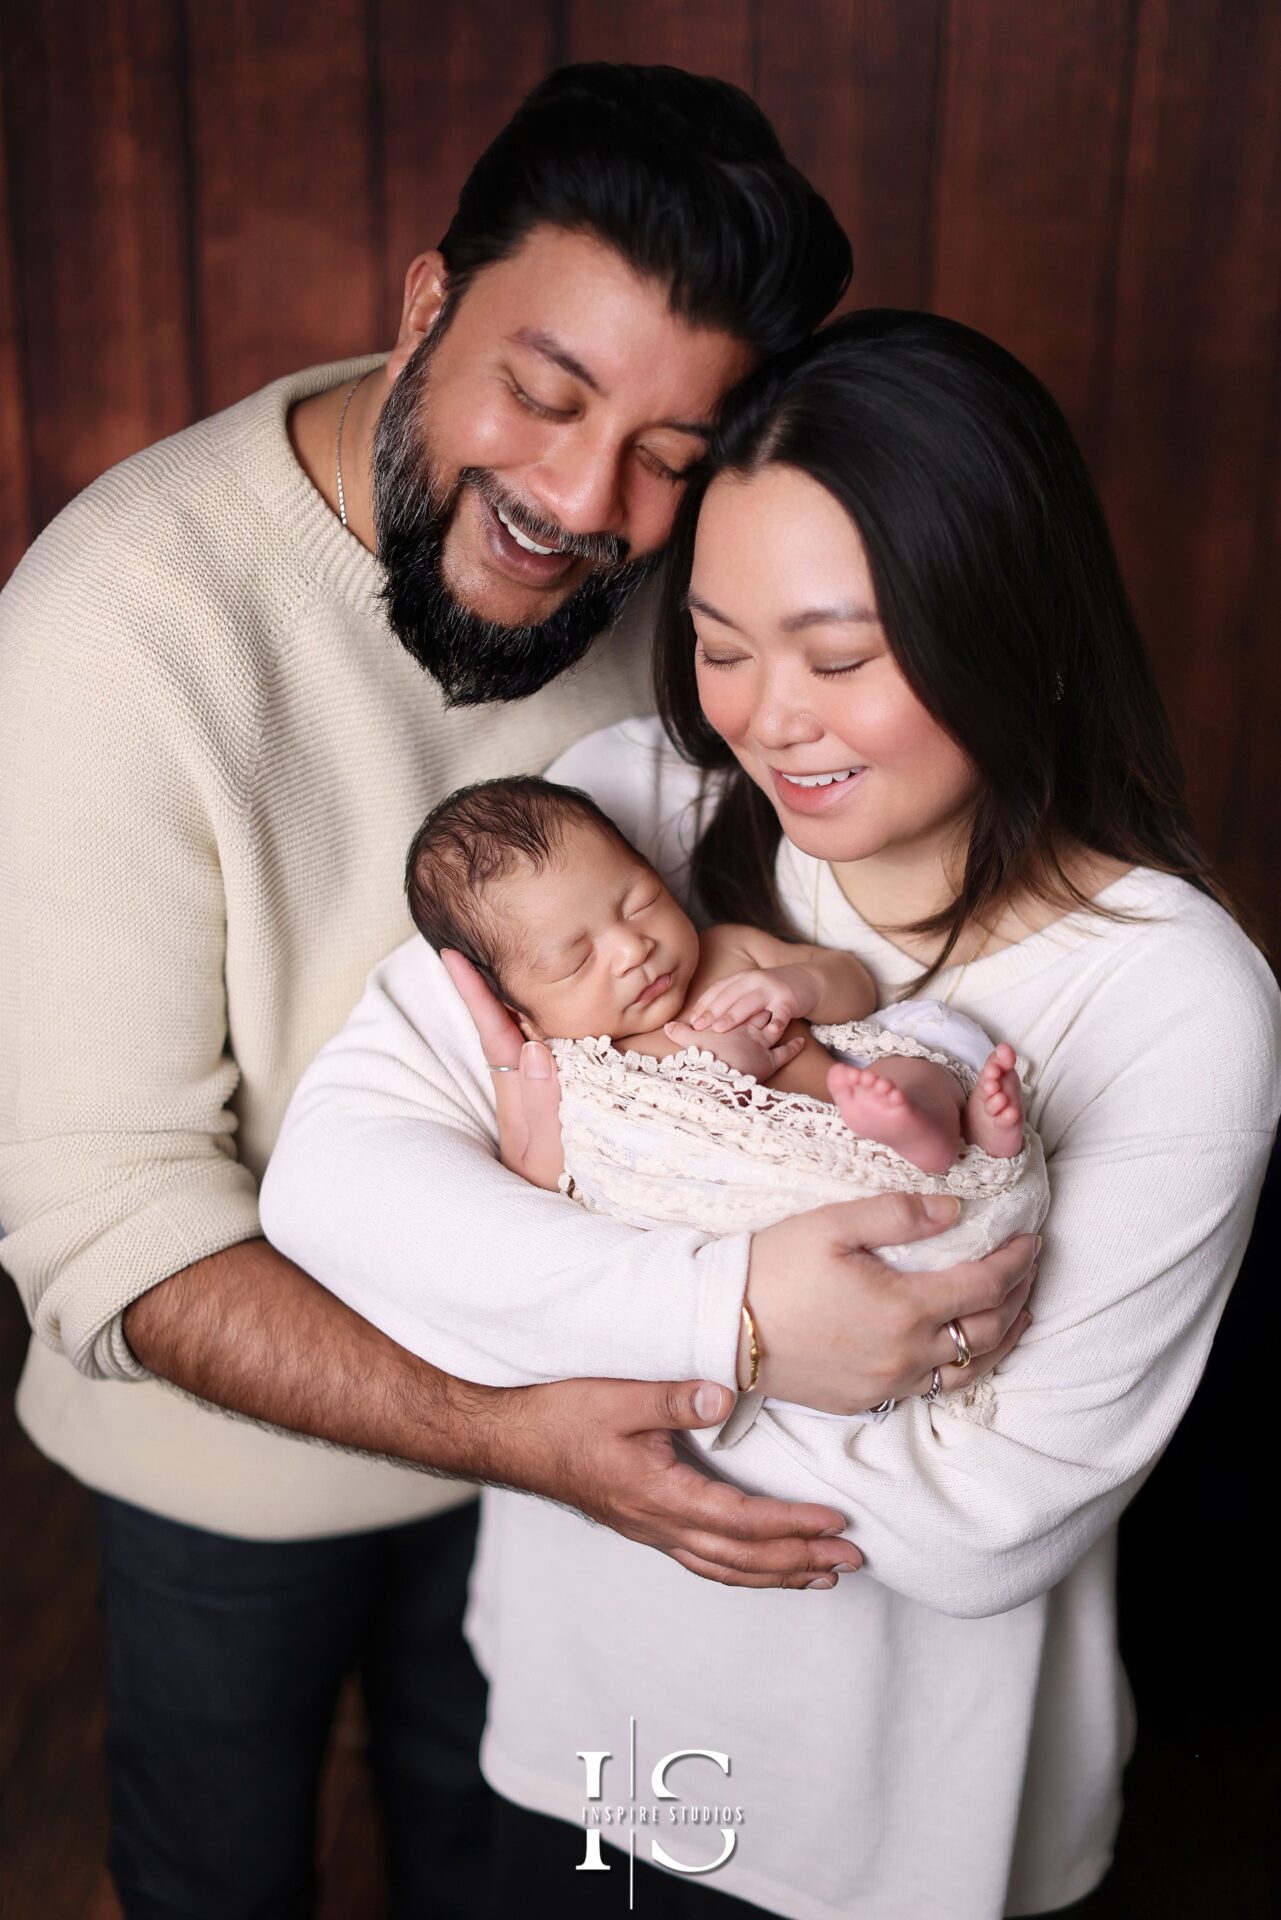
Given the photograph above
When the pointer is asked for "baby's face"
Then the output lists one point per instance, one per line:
(598, 945)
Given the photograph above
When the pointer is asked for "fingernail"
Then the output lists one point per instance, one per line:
(707, 1401)
(1037, 1243)
(535, 1061)
(822, 1581)
(844, 1566)
(941, 1206)
(831, 1533)
(1026, 1318)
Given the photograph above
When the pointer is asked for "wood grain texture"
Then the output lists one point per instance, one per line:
(93, 105)
(16, 524)
(1190, 434)
(715, 37)
(285, 192)
(446, 79)
(201, 197)
(1029, 148)
(852, 86)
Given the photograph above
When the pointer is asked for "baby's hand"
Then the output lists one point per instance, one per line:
(766, 998)
(745, 1049)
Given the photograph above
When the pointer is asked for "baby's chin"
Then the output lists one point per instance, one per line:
(655, 1014)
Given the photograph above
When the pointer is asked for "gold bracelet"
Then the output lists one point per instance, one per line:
(753, 1349)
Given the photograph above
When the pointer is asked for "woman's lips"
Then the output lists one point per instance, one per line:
(813, 799)
(653, 990)
(531, 569)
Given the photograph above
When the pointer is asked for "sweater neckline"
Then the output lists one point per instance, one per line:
(327, 551)
(1142, 892)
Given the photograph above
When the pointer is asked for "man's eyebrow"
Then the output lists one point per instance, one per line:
(551, 349)
(795, 622)
(538, 340)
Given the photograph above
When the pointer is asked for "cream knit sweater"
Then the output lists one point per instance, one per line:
(214, 755)
(945, 1732)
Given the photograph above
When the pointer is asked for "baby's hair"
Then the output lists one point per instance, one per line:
(483, 833)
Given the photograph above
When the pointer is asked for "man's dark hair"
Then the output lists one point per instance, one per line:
(683, 176)
(482, 833)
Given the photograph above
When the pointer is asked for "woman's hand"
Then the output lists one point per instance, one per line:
(768, 998)
(840, 1331)
(529, 1097)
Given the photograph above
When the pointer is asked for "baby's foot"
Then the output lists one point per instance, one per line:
(994, 1111)
(872, 1106)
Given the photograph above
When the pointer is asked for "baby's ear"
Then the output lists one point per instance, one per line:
(529, 1028)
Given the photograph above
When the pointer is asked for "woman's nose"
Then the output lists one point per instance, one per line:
(782, 720)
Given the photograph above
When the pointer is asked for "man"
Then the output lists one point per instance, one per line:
(215, 753)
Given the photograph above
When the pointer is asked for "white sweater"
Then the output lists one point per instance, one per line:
(214, 755)
(950, 1724)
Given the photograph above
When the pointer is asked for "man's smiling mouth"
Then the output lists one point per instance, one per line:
(517, 555)
(523, 539)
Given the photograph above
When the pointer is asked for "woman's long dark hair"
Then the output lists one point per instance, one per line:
(1001, 600)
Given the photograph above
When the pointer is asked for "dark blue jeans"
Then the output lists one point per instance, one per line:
(224, 1662)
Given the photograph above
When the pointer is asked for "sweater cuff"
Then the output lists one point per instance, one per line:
(79, 1315)
(722, 1275)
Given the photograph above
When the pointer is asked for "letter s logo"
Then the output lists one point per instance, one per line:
(662, 1791)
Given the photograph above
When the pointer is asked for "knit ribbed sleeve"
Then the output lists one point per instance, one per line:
(117, 1152)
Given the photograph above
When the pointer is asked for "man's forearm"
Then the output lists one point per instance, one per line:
(249, 1331)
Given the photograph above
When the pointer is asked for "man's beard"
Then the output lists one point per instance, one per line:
(474, 660)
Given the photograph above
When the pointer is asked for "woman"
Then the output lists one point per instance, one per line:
(895, 635)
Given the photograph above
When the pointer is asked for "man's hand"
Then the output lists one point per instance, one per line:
(606, 1447)
(528, 1098)
(840, 1331)
(249, 1331)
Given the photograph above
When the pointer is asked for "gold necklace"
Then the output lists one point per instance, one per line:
(820, 866)
(342, 498)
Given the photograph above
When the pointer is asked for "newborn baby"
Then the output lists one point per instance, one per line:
(580, 939)
(692, 1091)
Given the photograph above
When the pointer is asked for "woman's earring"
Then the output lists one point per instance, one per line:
(1058, 686)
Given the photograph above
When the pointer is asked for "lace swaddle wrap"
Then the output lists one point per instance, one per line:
(687, 1141)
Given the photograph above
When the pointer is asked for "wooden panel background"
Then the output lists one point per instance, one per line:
(198, 195)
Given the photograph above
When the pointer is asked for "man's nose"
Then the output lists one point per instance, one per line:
(579, 485)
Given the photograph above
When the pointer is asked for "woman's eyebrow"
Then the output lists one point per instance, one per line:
(694, 603)
(829, 617)
(795, 622)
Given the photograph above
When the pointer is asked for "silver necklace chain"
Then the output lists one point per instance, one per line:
(342, 498)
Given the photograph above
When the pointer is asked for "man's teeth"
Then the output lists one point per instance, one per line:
(820, 779)
(523, 539)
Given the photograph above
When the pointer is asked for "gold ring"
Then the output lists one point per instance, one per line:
(963, 1354)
